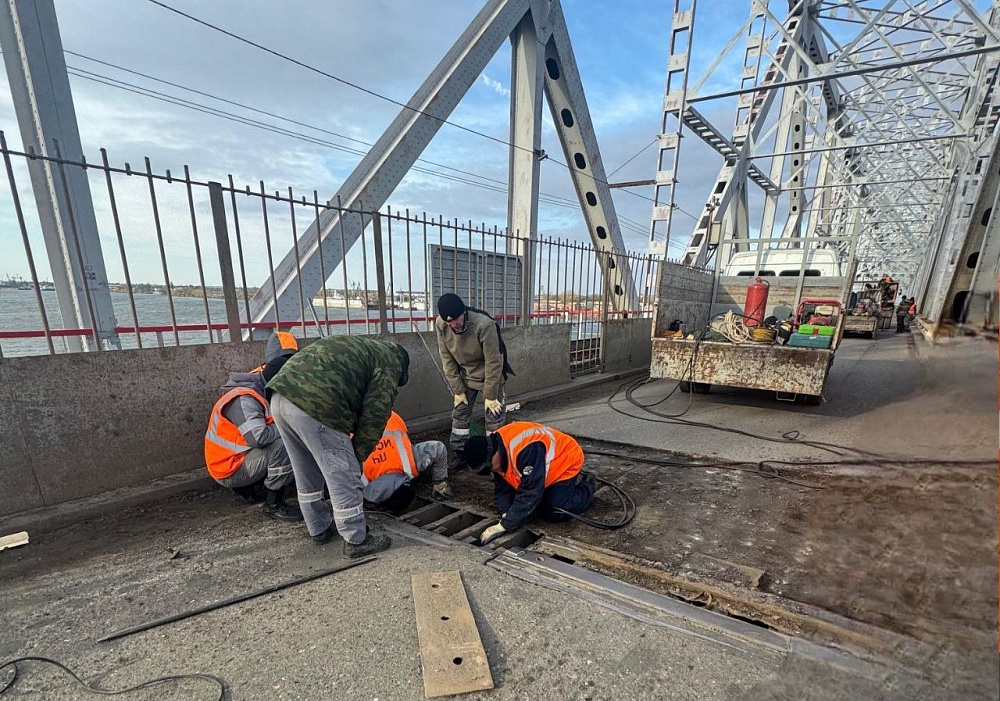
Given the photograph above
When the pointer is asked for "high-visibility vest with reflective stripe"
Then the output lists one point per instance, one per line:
(225, 446)
(563, 455)
(393, 452)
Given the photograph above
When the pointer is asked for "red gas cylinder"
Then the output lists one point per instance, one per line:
(755, 307)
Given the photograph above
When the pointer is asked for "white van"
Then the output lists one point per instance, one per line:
(784, 262)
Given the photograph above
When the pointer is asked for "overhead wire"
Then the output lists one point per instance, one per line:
(247, 121)
(373, 93)
(500, 187)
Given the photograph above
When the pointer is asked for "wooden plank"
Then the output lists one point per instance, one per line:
(14, 540)
(451, 651)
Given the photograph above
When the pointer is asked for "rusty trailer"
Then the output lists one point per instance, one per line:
(862, 323)
(690, 298)
(788, 371)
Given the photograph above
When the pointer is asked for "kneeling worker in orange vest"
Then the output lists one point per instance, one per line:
(532, 466)
(392, 466)
(243, 449)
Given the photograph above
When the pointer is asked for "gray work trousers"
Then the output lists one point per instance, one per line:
(269, 464)
(461, 416)
(432, 454)
(322, 456)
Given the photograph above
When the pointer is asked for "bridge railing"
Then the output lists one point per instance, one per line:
(168, 282)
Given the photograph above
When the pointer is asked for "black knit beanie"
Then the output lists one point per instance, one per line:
(450, 306)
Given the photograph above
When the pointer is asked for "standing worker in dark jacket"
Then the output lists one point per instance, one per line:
(334, 388)
(475, 361)
(533, 466)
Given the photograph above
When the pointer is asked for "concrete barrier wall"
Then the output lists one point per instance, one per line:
(682, 293)
(627, 344)
(76, 425)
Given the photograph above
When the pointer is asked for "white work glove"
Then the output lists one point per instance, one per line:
(492, 533)
(493, 406)
(461, 399)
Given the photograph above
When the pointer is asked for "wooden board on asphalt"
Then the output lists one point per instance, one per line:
(14, 540)
(451, 651)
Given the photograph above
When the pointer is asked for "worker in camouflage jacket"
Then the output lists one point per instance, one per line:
(335, 388)
(474, 359)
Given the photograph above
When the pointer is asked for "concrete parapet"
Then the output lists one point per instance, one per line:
(81, 424)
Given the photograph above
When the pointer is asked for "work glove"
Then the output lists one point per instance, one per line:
(461, 399)
(443, 491)
(493, 406)
(492, 533)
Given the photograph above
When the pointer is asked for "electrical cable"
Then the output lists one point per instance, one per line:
(501, 187)
(223, 685)
(789, 437)
(637, 154)
(569, 202)
(628, 509)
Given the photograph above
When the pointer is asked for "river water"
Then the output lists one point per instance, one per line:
(19, 312)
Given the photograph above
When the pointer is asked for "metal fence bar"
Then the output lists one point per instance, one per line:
(383, 319)
(392, 276)
(27, 243)
(298, 263)
(163, 251)
(85, 280)
(364, 265)
(121, 247)
(409, 275)
(428, 302)
(343, 265)
(197, 251)
(225, 261)
(322, 264)
(239, 251)
(270, 254)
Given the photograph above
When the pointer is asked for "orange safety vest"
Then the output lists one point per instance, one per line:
(287, 342)
(563, 455)
(393, 452)
(225, 446)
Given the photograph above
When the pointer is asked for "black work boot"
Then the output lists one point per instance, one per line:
(373, 543)
(251, 494)
(326, 536)
(276, 508)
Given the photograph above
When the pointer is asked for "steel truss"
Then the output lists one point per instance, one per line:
(542, 63)
(850, 115)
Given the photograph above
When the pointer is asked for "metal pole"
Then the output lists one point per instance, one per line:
(27, 243)
(234, 600)
(163, 251)
(239, 252)
(270, 254)
(225, 260)
(383, 320)
(121, 246)
(197, 252)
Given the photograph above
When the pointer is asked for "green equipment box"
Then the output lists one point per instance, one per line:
(815, 330)
(808, 340)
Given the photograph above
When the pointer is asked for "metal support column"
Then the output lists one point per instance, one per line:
(526, 83)
(43, 102)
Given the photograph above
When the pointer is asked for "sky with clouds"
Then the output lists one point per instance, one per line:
(387, 46)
